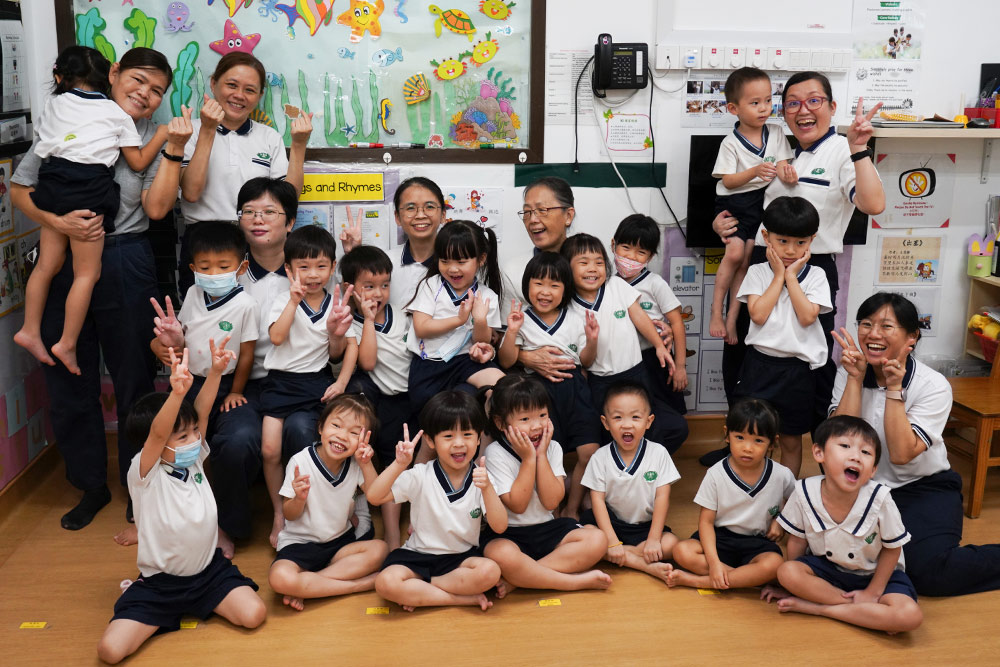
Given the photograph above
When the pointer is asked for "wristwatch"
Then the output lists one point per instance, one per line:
(861, 155)
(896, 394)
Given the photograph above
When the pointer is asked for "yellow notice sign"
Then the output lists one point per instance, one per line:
(376, 611)
(33, 625)
(551, 602)
(343, 187)
(713, 257)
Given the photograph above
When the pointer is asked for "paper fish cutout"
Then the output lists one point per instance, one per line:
(233, 5)
(385, 57)
(313, 13)
(177, 18)
(416, 89)
(363, 16)
(981, 246)
(344, 52)
(233, 40)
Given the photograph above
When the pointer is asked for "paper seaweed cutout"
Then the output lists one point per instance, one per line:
(453, 19)
(312, 12)
(484, 51)
(363, 16)
(233, 40)
(448, 69)
(496, 9)
(416, 89)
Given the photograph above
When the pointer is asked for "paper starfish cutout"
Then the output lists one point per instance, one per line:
(233, 40)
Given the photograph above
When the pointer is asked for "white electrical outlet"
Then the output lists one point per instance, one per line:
(757, 56)
(668, 57)
(736, 57)
(713, 57)
(777, 58)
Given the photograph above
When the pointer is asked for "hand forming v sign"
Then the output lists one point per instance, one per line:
(861, 129)
(851, 358)
(350, 238)
(405, 447)
(340, 318)
(166, 327)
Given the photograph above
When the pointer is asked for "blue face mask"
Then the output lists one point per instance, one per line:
(217, 285)
(186, 456)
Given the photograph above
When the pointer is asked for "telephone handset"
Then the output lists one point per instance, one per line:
(618, 66)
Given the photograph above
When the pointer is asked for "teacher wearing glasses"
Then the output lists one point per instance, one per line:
(835, 174)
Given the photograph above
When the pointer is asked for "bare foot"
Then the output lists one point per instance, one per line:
(661, 571)
(127, 536)
(679, 577)
(504, 588)
(67, 355)
(227, 546)
(298, 604)
(484, 602)
(717, 326)
(731, 337)
(34, 345)
(596, 579)
(773, 592)
(276, 526)
(407, 607)
(792, 603)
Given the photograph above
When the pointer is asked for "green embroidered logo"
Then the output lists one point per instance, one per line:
(264, 156)
(198, 477)
(649, 476)
(773, 511)
(226, 326)
(769, 159)
(646, 305)
(573, 347)
(818, 170)
(476, 513)
(619, 314)
(870, 538)
(404, 336)
(69, 137)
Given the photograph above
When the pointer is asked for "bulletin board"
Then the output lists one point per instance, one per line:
(463, 79)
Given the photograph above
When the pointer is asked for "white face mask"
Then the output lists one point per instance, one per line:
(187, 455)
(217, 285)
(628, 268)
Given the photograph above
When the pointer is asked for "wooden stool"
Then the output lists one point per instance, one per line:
(977, 404)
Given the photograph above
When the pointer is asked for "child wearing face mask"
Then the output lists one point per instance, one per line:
(215, 306)
(635, 242)
(182, 570)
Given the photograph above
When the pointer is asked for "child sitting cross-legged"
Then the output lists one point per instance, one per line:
(182, 569)
(441, 562)
(629, 481)
(845, 537)
(735, 545)
(318, 553)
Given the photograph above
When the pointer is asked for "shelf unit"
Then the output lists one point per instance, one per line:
(983, 291)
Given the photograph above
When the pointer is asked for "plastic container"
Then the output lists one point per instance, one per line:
(988, 344)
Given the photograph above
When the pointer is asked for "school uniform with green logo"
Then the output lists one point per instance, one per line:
(204, 317)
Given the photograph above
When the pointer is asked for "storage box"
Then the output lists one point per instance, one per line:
(13, 129)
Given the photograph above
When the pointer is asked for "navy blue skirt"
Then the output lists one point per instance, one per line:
(283, 393)
(65, 186)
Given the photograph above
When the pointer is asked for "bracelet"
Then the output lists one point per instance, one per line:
(616, 544)
(861, 155)
(172, 158)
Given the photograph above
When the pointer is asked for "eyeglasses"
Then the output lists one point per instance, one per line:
(268, 215)
(813, 103)
(886, 329)
(542, 213)
(410, 210)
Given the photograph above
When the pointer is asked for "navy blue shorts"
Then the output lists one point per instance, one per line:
(575, 422)
(632, 534)
(314, 556)
(162, 599)
(784, 382)
(736, 550)
(429, 377)
(428, 566)
(536, 541)
(65, 186)
(845, 581)
(283, 393)
(393, 410)
(747, 208)
(659, 382)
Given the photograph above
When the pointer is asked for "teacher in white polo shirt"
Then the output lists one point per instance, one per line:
(227, 149)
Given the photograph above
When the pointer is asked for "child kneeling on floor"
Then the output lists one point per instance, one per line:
(183, 571)
(318, 553)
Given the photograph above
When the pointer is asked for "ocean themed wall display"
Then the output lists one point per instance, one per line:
(455, 75)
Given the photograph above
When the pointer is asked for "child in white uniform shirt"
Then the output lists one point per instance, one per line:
(748, 161)
(845, 538)
(735, 545)
(785, 344)
(629, 481)
(441, 562)
(318, 552)
(81, 132)
(182, 571)
(300, 326)
(454, 315)
(537, 550)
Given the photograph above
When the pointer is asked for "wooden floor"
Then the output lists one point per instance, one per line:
(71, 581)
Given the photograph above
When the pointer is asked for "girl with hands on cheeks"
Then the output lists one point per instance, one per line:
(318, 552)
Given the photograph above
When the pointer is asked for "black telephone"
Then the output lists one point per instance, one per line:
(618, 66)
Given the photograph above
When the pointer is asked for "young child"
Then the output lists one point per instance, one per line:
(383, 370)
(629, 481)
(735, 545)
(549, 321)
(537, 550)
(845, 537)
(748, 160)
(441, 562)
(301, 325)
(452, 312)
(318, 553)
(182, 570)
(635, 242)
(785, 343)
(81, 132)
